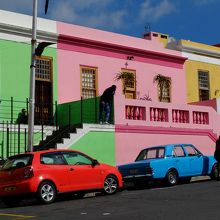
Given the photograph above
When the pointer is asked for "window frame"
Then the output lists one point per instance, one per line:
(82, 87)
(50, 60)
(201, 88)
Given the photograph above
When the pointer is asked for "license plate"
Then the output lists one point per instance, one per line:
(9, 188)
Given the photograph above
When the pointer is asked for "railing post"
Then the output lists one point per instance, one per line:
(7, 142)
(56, 115)
(25, 139)
(11, 109)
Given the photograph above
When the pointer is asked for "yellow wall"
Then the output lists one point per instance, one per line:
(191, 68)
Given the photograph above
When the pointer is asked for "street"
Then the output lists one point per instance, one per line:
(197, 200)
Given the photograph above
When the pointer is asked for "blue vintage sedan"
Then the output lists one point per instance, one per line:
(171, 163)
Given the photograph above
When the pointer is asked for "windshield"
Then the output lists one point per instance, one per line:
(151, 153)
(18, 161)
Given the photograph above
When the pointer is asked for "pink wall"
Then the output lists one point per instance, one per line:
(108, 52)
(129, 144)
(200, 127)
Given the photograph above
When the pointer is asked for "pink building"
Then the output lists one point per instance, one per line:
(88, 61)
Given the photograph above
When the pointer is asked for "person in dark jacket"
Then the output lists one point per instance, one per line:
(105, 104)
(217, 154)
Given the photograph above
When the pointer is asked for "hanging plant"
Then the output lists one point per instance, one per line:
(128, 76)
(162, 82)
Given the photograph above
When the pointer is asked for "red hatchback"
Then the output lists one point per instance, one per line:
(47, 173)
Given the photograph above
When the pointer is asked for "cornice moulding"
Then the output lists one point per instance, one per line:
(27, 32)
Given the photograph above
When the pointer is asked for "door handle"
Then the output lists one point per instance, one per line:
(71, 169)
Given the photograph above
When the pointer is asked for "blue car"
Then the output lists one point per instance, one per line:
(171, 163)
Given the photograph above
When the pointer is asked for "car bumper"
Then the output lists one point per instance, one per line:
(137, 178)
(23, 187)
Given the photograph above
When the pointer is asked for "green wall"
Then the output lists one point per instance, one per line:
(98, 144)
(15, 71)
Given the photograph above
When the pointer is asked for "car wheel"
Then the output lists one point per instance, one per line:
(110, 185)
(172, 178)
(214, 174)
(46, 192)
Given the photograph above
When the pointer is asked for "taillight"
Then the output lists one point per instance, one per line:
(28, 172)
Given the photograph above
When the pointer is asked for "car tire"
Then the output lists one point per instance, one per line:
(214, 172)
(110, 185)
(46, 193)
(171, 178)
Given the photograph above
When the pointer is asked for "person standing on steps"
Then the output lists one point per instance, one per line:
(105, 104)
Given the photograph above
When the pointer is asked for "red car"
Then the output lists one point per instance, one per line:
(47, 173)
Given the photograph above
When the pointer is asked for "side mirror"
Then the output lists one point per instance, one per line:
(95, 162)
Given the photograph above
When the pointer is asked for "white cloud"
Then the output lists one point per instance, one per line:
(93, 13)
(155, 12)
(110, 15)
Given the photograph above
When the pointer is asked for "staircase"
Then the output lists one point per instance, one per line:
(56, 137)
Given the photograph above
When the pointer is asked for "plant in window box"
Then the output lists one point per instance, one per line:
(163, 83)
(128, 79)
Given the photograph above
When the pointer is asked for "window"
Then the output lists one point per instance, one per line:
(191, 151)
(129, 83)
(52, 158)
(151, 153)
(178, 151)
(44, 69)
(18, 161)
(203, 85)
(75, 158)
(163, 87)
(88, 82)
(164, 91)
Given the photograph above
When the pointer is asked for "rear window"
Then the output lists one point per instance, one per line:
(18, 161)
(151, 153)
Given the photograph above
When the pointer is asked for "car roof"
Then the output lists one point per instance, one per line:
(46, 151)
(168, 145)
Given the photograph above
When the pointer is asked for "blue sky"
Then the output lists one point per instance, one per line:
(195, 20)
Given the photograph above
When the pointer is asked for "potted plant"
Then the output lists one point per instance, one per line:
(128, 78)
(162, 82)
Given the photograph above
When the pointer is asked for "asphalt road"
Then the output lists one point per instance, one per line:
(197, 200)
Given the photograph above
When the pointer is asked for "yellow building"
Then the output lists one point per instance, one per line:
(202, 69)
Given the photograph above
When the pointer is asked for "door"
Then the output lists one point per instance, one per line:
(43, 102)
(43, 91)
(180, 161)
(195, 160)
(82, 174)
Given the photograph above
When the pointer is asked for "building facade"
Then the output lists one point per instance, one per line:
(149, 109)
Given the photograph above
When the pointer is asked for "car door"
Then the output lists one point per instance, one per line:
(180, 161)
(83, 173)
(54, 167)
(196, 160)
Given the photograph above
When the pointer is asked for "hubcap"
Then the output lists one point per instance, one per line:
(172, 178)
(47, 192)
(110, 185)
